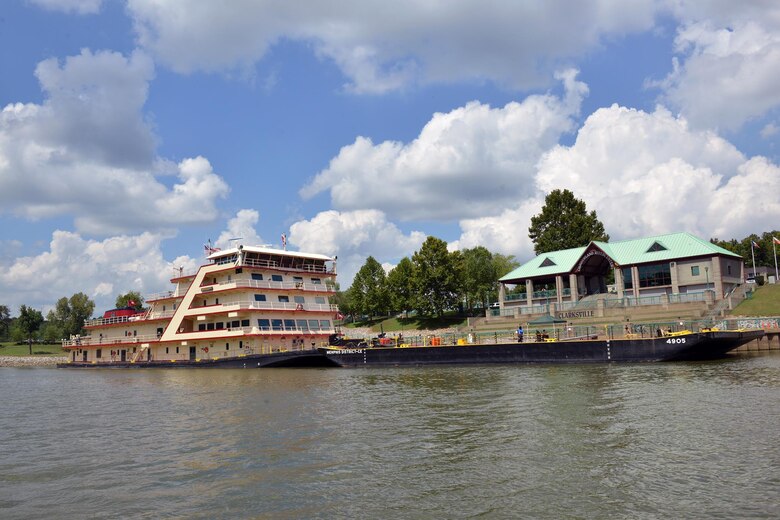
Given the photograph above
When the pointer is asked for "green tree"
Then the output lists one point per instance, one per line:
(369, 289)
(479, 276)
(5, 321)
(69, 314)
(131, 299)
(400, 285)
(564, 223)
(29, 321)
(437, 278)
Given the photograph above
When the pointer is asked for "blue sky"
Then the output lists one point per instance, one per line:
(132, 132)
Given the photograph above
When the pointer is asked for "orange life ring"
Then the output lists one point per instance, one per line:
(205, 349)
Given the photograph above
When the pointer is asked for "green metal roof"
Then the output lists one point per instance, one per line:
(626, 252)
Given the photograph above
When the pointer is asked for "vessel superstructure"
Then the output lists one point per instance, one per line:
(247, 302)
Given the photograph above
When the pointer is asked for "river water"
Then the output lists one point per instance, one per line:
(673, 440)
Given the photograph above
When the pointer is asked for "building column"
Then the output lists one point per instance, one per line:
(501, 295)
(619, 281)
(575, 292)
(635, 281)
(559, 289)
(716, 276)
(673, 273)
(529, 292)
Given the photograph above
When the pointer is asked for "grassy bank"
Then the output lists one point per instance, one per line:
(415, 323)
(12, 349)
(765, 302)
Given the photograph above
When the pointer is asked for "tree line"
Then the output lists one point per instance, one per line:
(65, 320)
(764, 253)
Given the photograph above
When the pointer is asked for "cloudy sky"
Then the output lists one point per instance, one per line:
(133, 131)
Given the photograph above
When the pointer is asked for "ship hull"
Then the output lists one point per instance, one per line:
(299, 358)
(694, 346)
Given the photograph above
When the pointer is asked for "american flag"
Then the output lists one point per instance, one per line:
(284, 241)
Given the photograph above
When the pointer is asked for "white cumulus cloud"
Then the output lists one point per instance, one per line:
(474, 160)
(241, 226)
(87, 152)
(353, 236)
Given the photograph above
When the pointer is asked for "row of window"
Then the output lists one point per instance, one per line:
(286, 299)
(268, 324)
(274, 324)
(280, 278)
(655, 275)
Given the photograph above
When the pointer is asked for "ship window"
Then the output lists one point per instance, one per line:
(264, 324)
(289, 324)
(694, 270)
(240, 344)
(298, 278)
(230, 278)
(235, 324)
(303, 325)
(99, 353)
(319, 299)
(324, 324)
(177, 350)
(201, 326)
(239, 270)
(220, 325)
(284, 299)
(277, 278)
(174, 306)
(276, 324)
(227, 346)
(166, 350)
(163, 308)
(259, 297)
(299, 299)
(316, 281)
(244, 323)
(209, 326)
(314, 324)
(257, 276)
(216, 301)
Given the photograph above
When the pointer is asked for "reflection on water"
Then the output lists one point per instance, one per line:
(679, 440)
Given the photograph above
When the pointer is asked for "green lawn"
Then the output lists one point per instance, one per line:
(415, 323)
(765, 302)
(12, 349)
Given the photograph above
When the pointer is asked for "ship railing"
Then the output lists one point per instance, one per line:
(267, 284)
(160, 295)
(106, 321)
(86, 341)
(276, 306)
(273, 264)
(156, 315)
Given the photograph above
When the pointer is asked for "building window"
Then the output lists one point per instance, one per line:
(277, 278)
(299, 299)
(728, 268)
(259, 297)
(655, 275)
(264, 324)
(284, 299)
(694, 270)
(257, 276)
(627, 280)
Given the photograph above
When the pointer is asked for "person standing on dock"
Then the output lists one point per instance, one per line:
(520, 333)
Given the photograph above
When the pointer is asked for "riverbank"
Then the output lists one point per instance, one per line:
(31, 361)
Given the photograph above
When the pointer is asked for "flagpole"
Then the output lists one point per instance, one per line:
(774, 250)
(753, 253)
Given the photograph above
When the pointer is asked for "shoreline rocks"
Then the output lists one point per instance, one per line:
(31, 361)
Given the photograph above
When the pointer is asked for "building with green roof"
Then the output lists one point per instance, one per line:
(664, 265)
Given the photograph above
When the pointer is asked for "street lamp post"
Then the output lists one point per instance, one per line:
(707, 275)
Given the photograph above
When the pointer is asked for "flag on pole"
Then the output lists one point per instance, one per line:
(284, 241)
(754, 244)
(775, 240)
(774, 250)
